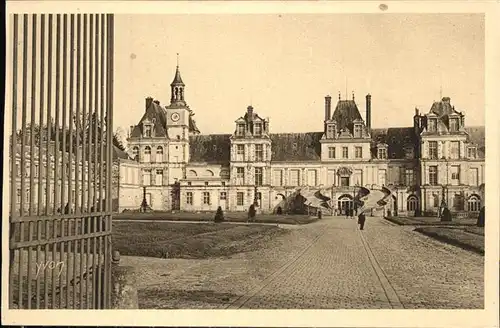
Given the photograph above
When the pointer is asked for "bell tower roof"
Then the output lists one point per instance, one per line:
(177, 78)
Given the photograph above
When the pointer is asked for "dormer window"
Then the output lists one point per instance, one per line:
(258, 129)
(472, 152)
(358, 131)
(409, 154)
(330, 131)
(382, 153)
(454, 124)
(147, 131)
(432, 126)
(240, 129)
(135, 151)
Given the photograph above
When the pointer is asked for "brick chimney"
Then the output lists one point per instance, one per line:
(368, 111)
(250, 111)
(328, 108)
(149, 100)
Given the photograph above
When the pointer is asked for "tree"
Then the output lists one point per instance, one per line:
(117, 142)
(219, 215)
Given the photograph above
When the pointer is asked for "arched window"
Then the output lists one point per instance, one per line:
(209, 173)
(192, 173)
(135, 151)
(412, 203)
(474, 204)
(147, 154)
(159, 154)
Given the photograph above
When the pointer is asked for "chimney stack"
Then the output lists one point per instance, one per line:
(368, 111)
(250, 111)
(149, 100)
(328, 108)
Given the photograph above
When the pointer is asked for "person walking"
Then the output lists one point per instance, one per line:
(361, 221)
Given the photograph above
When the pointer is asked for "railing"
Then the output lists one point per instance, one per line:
(60, 241)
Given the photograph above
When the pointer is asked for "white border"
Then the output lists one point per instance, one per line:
(296, 318)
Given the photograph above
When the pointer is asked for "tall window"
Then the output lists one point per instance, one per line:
(223, 195)
(240, 129)
(240, 152)
(382, 177)
(454, 124)
(240, 175)
(382, 153)
(258, 176)
(159, 177)
(147, 154)
(257, 129)
(435, 200)
(312, 178)
(433, 149)
(345, 152)
(473, 204)
(458, 203)
(239, 198)
(147, 131)
(473, 176)
(359, 152)
(259, 153)
(357, 131)
(344, 181)
(278, 177)
(189, 198)
(455, 149)
(433, 175)
(206, 198)
(18, 196)
(471, 152)
(432, 125)
(331, 152)
(412, 203)
(146, 178)
(409, 177)
(294, 177)
(455, 175)
(159, 154)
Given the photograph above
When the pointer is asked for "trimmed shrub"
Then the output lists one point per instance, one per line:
(219, 215)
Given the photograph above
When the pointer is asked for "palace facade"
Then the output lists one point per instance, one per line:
(437, 159)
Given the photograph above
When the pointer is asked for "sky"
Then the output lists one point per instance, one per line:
(284, 65)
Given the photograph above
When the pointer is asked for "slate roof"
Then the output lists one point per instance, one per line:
(345, 113)
(397, 139)
(154, 113)
(177, 78)
(295, 147)
(212, 148)
(477, 138)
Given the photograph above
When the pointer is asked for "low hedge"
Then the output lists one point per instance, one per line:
(456, 237)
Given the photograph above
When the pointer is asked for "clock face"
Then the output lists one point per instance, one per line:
(175, 117)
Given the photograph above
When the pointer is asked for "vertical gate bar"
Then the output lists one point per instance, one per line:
(56, 159)
(64, 171)
(78, 222)
(23, 157)
(97, 178)
(77, 114)
(84, 156)
(69, 278)
(87, 150)
(48, 155)
(91, 111)
(13, 162)
(32, 154)
(38, 170)
(110, 152)
(93, 129)
(71, 113)
(64, 258)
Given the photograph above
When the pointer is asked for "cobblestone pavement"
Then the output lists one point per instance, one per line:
(328, 264)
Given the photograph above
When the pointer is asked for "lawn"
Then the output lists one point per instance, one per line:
(456, 236)
(189, 240)
(209, 217)
(431, 221)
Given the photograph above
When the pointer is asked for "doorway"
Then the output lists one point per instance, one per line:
(345, 204)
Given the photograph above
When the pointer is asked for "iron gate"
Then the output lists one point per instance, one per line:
(61, 85)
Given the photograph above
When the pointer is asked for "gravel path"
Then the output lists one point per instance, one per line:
(328, 264)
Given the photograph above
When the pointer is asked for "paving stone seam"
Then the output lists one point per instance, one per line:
(389, 291)
(240, 302)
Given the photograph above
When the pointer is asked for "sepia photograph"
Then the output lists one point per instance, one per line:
(278, 160)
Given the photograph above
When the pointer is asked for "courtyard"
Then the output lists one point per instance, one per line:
(325, 264)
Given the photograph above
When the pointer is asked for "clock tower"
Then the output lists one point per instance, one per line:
(178, 118)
